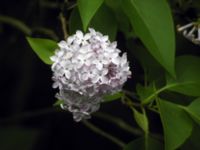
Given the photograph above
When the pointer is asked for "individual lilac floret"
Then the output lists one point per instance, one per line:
(191, 31)
(85, 68)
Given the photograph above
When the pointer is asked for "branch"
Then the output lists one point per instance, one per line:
(46, 31)
(104, 134)
(64, 25)
(25, 29)
(16, 23)
(119, 122)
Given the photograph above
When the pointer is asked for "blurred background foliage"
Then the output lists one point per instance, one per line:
(27, 119)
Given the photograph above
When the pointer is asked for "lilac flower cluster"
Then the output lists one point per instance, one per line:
(85, 68)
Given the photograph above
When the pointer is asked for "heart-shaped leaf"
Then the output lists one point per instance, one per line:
(145, 92)
(176, 123)
(188, 76)
(142, 120)
(105, 22)
(144, 144)
(194, 111)
(152, 22)
(87, 9)
(115, 96)
(44, 48)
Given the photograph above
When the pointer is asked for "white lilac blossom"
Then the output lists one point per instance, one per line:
(85, 68)
(191, 31)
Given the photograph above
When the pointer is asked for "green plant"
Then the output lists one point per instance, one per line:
(149, 32)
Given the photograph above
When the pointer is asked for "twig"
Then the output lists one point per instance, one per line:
(127, 101)
(153, 109)
(131, 94)
(16, 23)
(119, 122)
(103, 133)
(46, 31)
(72, 6)
(130, 104)
(64, 25)
(25, 29)
(50, 5)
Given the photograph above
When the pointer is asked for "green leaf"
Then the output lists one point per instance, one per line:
(187, 81)
(141, 144)
(114, 4)
(176, 123)
(153, 24)
(145, 92)
(75, 21)
(141, 120)
(193, 142)
(150, 66)
(58, 102)
(87, 9)
(194, 107)
(122, 20)
(15, 138)
(188, 76)
(105, 22)
(115, 96)
(193, 110)
(44, 48)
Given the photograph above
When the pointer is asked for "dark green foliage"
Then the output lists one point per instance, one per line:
(146, 30)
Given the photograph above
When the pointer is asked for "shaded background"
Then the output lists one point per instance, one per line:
(27, 119)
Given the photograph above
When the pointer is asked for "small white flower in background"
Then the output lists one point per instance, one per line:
(85, 68)
(191, 31)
